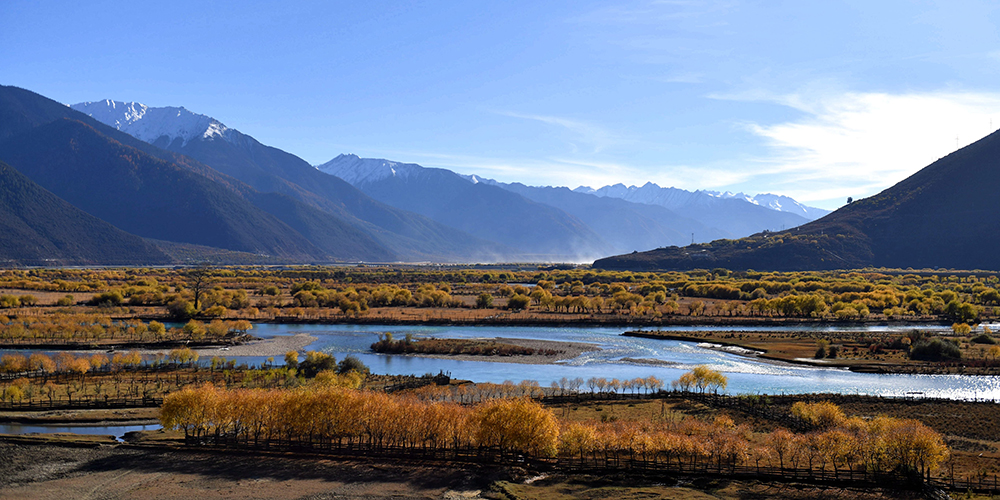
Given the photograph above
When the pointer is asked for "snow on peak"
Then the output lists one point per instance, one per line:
(775, 202)
(150, 124)
(653, 194)
(357, 171)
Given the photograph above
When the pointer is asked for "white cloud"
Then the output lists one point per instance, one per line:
(855, 144)
(595, 136)
(843, 144)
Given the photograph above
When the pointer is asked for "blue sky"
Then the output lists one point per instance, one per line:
(817, 100)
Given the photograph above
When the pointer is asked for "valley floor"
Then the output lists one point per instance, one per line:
(45, 471)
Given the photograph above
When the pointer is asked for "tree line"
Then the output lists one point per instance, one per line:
(330, 417)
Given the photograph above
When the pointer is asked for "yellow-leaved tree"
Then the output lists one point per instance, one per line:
(517, 425)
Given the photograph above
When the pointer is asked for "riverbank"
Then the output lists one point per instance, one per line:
(124, 416)
(113, 345)
(855, 351)
(246, 345)
(275, 346)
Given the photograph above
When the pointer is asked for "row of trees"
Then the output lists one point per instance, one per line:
(57, 328)
(207, 292)
(328, 417)
(65, 362)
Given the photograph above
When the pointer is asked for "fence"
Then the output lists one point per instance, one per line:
(87, 403)
(599, 464)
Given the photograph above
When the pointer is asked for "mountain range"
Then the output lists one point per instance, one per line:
(943, 216)
(395, 234)
(166, 185)
(582, 223)
(674, 198)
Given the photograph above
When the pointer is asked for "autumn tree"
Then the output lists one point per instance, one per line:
(517, 426)
(484, 301)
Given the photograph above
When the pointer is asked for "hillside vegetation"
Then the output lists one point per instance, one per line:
(940, 217)
(40, 229)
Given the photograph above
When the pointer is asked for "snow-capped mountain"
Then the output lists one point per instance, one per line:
(150, 124)
(331, 211)
(650, 194)
(358, 171)
(775, 202)
(674, 198)
(458, 211)
(479, 208)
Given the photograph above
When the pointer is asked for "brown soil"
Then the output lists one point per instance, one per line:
(104, 471)
(559, 487)
(112, 472)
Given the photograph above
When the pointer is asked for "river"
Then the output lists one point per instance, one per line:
(100, 430)
(747, 375)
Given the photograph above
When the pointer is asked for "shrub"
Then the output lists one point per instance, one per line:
(518, 302)
(983, 338)
(107, 299)
(316, 362)
(181, 309)
(484, 301)
(821, 346)
(352, 364)
(935, 349)
(961, 328)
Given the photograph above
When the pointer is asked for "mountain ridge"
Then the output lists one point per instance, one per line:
(942, 216)
(40, 228)
(407, 235)
(482, 210)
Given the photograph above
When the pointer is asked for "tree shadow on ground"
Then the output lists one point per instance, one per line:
(239, 465)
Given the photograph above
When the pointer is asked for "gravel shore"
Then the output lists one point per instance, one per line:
(275, 346)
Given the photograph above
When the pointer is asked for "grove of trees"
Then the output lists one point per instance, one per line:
(322, 417)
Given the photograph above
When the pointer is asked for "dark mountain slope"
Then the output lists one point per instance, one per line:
(147, 196)
(269, 169)
(38, 228)
(945, 215)
(342, 240)
(336, 238)
(334, 230)
(22, 110)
